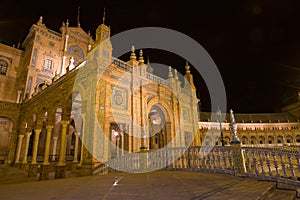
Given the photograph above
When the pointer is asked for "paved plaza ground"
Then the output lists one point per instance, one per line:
(157, 185)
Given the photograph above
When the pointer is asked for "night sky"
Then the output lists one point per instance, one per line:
(255, 44)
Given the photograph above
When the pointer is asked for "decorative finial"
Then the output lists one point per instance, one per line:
(132, 56)
(141, 59)
(170, 75)
(233, 126)
(232, 120)
(40, 20)
(148, 61)
(187, 67)
(78, 13)
(176, 75)
(103, 19)
(149, 68)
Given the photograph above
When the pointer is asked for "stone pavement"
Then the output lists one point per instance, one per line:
(157, 185)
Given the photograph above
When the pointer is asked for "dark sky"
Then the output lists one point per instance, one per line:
(255, 44)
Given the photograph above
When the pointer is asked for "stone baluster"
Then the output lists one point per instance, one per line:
(176, 159)
(185, 159)
(291, 166)
(254, 161)
(268, 162)
(214, 159)
(230, 159)
(281, 155)
(208, 162)
(219, 158)
(275, 163)
(261, 162)
(248, 163)
(224, 158)
(197, 158)
(298, 160)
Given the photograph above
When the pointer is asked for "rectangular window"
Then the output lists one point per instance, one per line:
(48, 64)
(34, 57)
(3, 67)
(28, 86)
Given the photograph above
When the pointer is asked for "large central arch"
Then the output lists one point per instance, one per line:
(159, 127)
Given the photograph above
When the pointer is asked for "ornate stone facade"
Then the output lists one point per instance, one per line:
(67, 104)
(74, 116)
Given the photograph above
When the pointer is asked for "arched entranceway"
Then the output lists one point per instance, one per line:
(119, 139)
(6, 126)
(159, 127)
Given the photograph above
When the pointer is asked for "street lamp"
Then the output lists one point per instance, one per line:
(219, 114)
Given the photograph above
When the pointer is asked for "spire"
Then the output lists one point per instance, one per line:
(78, 14)
(176, 75)
(103, 19)
(132, 56)
(187, 67)
(149, 68)
(170, 75)
(141, 59)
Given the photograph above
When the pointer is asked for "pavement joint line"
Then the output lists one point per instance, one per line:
(217, 190)
(150, 187)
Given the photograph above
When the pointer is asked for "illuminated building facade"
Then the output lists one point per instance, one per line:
(52, 103)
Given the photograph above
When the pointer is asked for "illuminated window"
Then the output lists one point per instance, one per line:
(34, 57)
(48, 64)
(3, 67)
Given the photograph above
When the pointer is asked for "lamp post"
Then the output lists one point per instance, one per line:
(219, 114)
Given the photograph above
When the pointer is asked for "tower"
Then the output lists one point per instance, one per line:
(102, 48)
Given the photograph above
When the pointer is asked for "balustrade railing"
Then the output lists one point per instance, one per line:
(208, 159)
(271, 164)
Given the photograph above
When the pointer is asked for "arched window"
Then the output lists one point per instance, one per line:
(3, 67)
(76, 50)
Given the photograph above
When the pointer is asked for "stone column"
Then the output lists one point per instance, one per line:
(47, 145)
(27, 139)
(54, 148)
(76, 147)
(62, 153)
(19, 148)
(60, 168)
(33, 166)
(82, 139)
(35, 145)
(44, 175)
